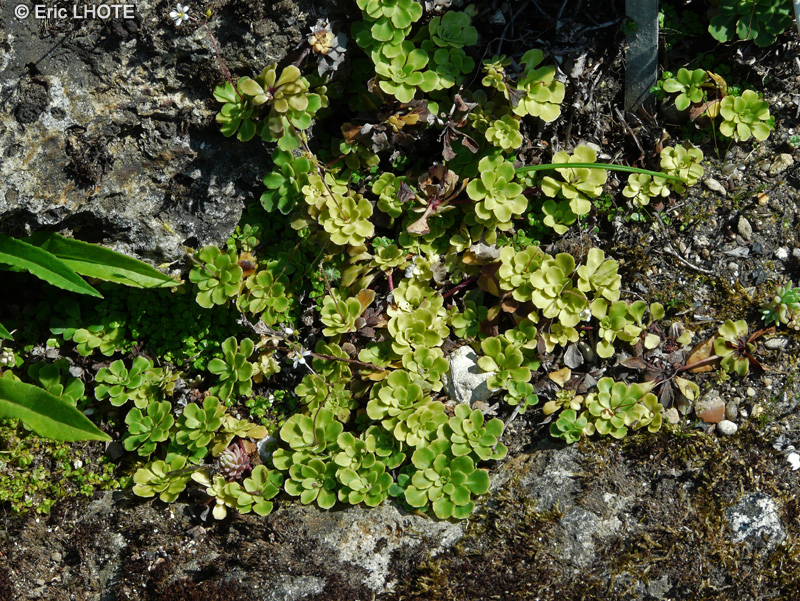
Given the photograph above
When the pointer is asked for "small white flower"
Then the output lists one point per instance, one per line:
(794, 461)
(288, 331)
(299, 357)
(179, 15)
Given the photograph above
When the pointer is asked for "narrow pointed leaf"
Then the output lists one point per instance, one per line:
(102, 263)
(43, 265)
(45, 414)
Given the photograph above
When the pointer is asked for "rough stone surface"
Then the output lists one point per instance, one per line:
(755, 520)
(466, 382)
(110, 136)
(744, 228)
(781, 163)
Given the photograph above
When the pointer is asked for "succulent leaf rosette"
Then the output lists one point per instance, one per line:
(347, 219)
(146, 430)
(578, 184)
(234, 370)
(555, 293)
(498, 197)
(469, 435)
(218, 276)
(687, 85)
(744, 116)
(543, 94)
(445, 482)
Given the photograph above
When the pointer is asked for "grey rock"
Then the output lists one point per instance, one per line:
(744, 228)
(777, 343)
(727, 427)
(755, 520)
(288, 587)
(485, 252)
(715, 186)
(120, 146)
(579, 530)
(781, 163)
(550, 479)
(466, 381)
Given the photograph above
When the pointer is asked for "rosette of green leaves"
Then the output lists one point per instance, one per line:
(355, 453)
(467, 323)
(616, 405)
(453, 30)
(780, 309)
(234, 370)
(389, 256)
(498, 197)
(312, 435)
(469, 435)
(495, 73)
(429, 364)
(420, 327)
(759, 20)
(340, 315)
(265, 295)
(555, 293)
(744, 116)
(347, 219)
(391, 17)
(558, 215)
(516, 269)
(146, 430)
(642, 187)
(218, 277)
(313, 480)
(445, 481)
(599, 275)
(520, 394)
(449, 64)
(395, 398)
(389, 450)
(163, 478)
(258, 488)
(403, 73)
(284, 93)
(569, 426)
(119, 384)
(369, 485)
(687, 85)
(236, 113)
(197, 426)
(505, 360)
(235, 428)
(577, 185)
(558, 335)
(55, 379)
(683, 162)
(224, 493)
(387, 188)
(285, 182)
(504, 133)
(616, 321)
(315, 391)
(543, 93)
(731, 337)
(108, 336)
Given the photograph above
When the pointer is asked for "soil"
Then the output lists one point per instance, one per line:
(654, 505)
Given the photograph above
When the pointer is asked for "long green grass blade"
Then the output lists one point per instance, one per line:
(45, 414)
(5, 333)
(43, 265)
(96, 261)
(607, 166)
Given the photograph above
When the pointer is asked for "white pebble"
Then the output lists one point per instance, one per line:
(727, 427)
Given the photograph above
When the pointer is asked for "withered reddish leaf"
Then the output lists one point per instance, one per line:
(701, 351)
(405, 193)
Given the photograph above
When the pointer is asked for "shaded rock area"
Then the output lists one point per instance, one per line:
(107, 127)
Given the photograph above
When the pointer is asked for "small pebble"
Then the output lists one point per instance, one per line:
(751, 392)
(727, 428)
(781, 163)
(711, 411)
(672, 416)
(757, 411)
(56, 557)
(715, 186)
(796, 253)
(782, 253)
(777, 343)
(744, 228)
(731, 410)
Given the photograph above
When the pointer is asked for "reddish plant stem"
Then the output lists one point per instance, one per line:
(458, 287)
